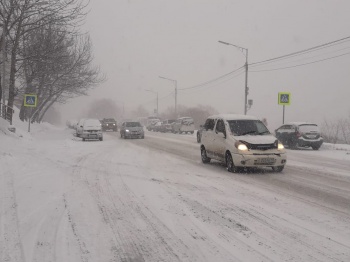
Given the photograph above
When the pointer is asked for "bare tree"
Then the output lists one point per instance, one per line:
(19, 18)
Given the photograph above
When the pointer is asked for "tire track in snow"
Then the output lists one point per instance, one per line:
(10, 244)
(45, 243)
(125, 215)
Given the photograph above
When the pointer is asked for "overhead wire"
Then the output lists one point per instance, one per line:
(313, 62)
(212, 80)
(301, 52)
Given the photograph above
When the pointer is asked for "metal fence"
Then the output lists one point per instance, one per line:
(6, 112)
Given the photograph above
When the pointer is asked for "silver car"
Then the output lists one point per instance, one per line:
(132, 129)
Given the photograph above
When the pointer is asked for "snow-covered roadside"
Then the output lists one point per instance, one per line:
(65, 200)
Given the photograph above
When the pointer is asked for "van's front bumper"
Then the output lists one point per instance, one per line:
(259, 160)
(91, 135)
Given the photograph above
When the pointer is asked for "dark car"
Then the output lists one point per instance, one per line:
(132, 129)
(300, 134)
(109, 124)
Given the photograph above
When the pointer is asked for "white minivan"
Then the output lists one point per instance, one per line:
(90, 129)
(241, 141)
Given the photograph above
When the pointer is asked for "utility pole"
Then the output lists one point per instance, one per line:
(157, 98)
(246, 89)
(3, 54)
(175, 82)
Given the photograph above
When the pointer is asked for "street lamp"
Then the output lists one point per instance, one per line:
(175, 82)
(157, 97)
(246, 72)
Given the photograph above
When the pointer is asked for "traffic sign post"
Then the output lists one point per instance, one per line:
(30, 100)
(284, 99)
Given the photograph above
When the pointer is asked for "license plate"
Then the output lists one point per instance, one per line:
(311, 136)
(266, 161)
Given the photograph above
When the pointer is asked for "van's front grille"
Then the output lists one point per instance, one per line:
(262, 146)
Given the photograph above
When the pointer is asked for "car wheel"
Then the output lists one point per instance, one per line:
(277, 168)
(83, 139)
(198, 138)
(101, 138)
(316, 147)
(205, 158)
(229, 164)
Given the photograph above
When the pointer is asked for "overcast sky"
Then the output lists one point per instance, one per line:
(136, 41)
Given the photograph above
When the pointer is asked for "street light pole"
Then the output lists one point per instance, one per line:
(157, 98)
(175, 82)
(3, 54)
(246, 73)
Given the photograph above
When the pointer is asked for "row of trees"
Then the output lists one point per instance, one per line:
(336, 131)
(45, 53)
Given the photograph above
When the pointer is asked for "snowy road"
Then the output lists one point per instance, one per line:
(153, 200)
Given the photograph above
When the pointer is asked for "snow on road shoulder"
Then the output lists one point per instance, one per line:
(70, 200)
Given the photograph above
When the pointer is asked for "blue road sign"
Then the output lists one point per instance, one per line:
(30, 100)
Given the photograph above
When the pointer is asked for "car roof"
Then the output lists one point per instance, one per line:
(233, 117)
(300, 123)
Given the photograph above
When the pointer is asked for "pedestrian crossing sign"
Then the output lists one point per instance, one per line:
(30, 100)
(284, 98)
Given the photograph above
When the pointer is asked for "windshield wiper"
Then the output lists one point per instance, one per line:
(249, 132)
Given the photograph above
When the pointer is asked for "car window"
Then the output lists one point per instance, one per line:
(92, 122)
(308, 128)
(220, 126)
(247, 127)
(209, 124)
(133, 124)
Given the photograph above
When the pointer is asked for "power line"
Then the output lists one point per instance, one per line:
(212, 80)
(274, 69)
(311, 49)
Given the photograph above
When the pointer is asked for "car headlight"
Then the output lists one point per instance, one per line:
(127, 130)
(114, 124)
(240, 146)
(280, 146)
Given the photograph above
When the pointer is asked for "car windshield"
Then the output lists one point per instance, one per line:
(309, 128)
(133, 124)
(92, 122)
(109, 120)
(247, 127)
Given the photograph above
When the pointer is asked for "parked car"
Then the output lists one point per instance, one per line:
(300, 134)
(183, 125)
(167, 125)
(109, 124)
(241, 141)
(151, 123)
(156, 127)
(91, 129)
(132, 129)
